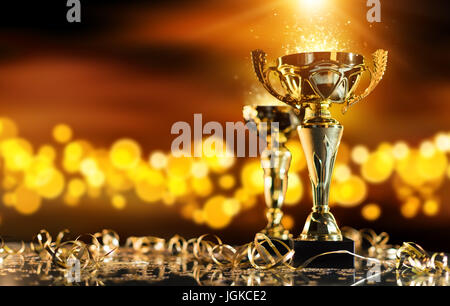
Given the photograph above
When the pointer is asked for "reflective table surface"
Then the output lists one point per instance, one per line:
(126, 267)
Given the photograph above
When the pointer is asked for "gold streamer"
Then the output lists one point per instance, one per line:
(5, 249)
(146, 244)
(60, 253)
(263, 253)
(411, 257)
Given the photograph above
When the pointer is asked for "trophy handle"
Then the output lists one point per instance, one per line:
(263, 75)
(379, 59)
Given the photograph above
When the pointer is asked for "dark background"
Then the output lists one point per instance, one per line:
(133, 68)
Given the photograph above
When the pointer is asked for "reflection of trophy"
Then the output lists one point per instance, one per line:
(274, 124)
(313, 81)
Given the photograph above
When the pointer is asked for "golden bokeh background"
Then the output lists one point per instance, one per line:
(87, 111)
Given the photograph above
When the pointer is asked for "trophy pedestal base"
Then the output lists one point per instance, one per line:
(305, 249)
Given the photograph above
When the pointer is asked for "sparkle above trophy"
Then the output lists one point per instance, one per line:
(313, 82)
(274, 124)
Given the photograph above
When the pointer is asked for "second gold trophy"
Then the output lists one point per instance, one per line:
(274, 124)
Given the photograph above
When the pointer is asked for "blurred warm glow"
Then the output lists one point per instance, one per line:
(27, 201)
(246, 198)
(442, 142)
(316, 29)
(431, 207)
(350, 192)
(9, 198)
(311, 4)
(411, 207)
(400, 150)
(294, 191)
(341, 172)
(371, 211)
(118, 201)
(378, 166)
(418, 169)
(202, 186)
(17, 153)
(158, 160)
(62, 133)
(227, 181)
(360, 154)
(54, 187)
(8, 128)
(231, 207)
(288, 222)
(31, 177)
(76, 188)
(199, 169)
(298, 162)
(215, 212)
(86, 123)
(125, 154)
(252, 177)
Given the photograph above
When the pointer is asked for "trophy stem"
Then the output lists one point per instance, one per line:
(275, 162)
(320, 144)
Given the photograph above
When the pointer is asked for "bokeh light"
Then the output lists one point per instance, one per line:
(411, 207)
(288, 222)
(360, 154)
(77, 170)
(215, 213)
(341, 172)
(298, 162)
(442, 142)
(202, 186)
(400, 150)
(371, 211)
(231, 207)
(350, 192)
(252, 177)
(158, 160)
(199, 169)
(118, 201)
(431, 207)
(27, 201)
(76, 187)
(294, 191)
(8, 128)
(125, 154)
(227, 181)
(62, 133)
(378, 167)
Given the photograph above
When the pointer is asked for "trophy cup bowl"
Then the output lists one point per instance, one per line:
(313, 82)
(274, 124)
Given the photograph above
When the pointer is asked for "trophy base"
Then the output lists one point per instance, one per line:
(321, 226)
(305, 249)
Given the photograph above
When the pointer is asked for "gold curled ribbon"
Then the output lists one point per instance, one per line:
(177, 244)
(106, 240)
(411, 257)
(375, 240)
(225, 255)
(263, 258)
(379, 246)
(263, 253)
(5, 249)
(145, 244)
(63, 253)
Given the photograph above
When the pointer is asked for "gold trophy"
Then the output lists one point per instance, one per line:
(313, 81)
(274, 124)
